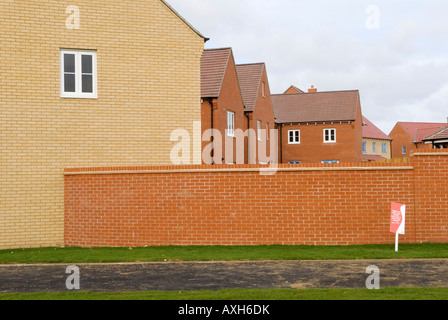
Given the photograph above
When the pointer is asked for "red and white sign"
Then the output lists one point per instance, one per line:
(398, 218)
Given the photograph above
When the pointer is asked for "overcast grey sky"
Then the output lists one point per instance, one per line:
(394, 52)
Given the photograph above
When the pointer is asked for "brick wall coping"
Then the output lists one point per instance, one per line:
(431, 154)
(155, 170)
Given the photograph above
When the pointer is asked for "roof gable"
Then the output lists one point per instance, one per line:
(183, 19)
(293, 89)
(250, 76)
(316, 107)
(214, 64)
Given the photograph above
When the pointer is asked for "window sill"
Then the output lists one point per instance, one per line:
(79, 97)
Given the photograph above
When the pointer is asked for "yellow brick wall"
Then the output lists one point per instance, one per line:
(148, 86)
(379, 148)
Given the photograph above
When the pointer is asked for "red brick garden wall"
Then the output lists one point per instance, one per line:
(201, 205)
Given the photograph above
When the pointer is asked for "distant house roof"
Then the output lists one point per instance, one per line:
(370, 131)
(442, 134)
(421, 130)
(185, 21)
(213, 68)
(293, 89)
(316, 107)
(250, 76)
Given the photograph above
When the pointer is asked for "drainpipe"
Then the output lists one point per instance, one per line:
(213, 126)
(248, 137)
(281, 143)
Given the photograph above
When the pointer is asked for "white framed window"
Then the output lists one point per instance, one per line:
(78, 74)
(230, 124)
(294, 136)
(259, 130)
(330, 136)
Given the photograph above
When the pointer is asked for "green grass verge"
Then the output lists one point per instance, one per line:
(252, 295)
(221, 253)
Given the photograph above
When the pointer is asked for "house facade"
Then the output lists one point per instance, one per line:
(376, 145)
(223, 119)
(262, 145)
(408, 137)
(319, 127)
(86, 85)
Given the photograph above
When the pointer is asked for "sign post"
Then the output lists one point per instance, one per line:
(398, 221)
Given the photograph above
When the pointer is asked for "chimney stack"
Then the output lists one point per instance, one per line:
(312, 90)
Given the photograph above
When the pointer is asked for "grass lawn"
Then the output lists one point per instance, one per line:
(251, 295)
(233, 253)
(222, 253)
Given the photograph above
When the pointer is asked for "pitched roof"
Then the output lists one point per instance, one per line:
(442, 134)
(369, 130)
(213, 68)
(185, 21)
(250, 76)
(316, 107)
(420, 130)
(293, 89)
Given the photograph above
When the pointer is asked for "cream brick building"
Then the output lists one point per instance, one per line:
(86, 83)
(376, 145)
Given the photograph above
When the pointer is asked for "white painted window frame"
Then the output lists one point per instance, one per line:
(325, 134)
(289, 137)
(78, 74)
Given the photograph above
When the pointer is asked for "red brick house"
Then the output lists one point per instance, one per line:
(319, 127)
(408, 137)
(222, 109)
(254, 85)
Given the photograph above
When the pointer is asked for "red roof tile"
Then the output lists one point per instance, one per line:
(442, 134)
(316, 107)
(421, 130)
(369, 130)
(250, 76)
(213, 68)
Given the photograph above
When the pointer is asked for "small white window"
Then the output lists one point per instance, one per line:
(330, 136)
(78, 74)
(230, 123)
(294, 136)
(259, 130)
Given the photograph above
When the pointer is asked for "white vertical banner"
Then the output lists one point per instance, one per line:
(398, 221)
